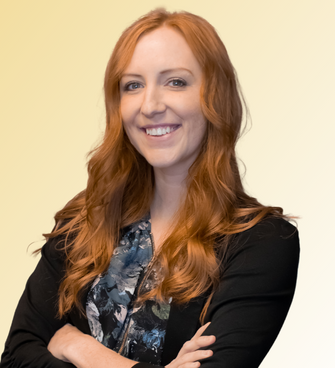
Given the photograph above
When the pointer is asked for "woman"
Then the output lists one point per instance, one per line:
(163, 259)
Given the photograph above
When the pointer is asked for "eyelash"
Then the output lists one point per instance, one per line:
(126, 87)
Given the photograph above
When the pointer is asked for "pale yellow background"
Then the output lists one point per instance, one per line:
(53, 56)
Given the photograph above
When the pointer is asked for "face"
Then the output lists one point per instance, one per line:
(160, 101)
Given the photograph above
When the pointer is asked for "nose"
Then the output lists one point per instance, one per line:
(153, 102)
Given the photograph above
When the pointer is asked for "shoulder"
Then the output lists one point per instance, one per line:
(271, 228)
(53, 257)
(268, 252)
(261, 264)
(270, 235)
(56, 247)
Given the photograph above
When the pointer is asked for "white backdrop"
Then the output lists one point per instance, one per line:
(53, 56)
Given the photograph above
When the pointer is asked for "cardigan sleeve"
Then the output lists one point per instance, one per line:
(254, 296)
(35, 320)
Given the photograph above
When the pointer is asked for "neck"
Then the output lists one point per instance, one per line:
(169, 194)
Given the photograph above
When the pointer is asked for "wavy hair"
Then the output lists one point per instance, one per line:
(91, 221)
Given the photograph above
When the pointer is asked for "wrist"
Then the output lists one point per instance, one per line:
(79, 350)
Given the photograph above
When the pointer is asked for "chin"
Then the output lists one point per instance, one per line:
(160, 162)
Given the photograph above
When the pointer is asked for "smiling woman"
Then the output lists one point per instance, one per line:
(163, 260)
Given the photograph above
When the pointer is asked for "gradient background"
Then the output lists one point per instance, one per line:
(53, 56)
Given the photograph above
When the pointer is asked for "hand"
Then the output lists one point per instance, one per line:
(72, 346)
(62, 341)
(189, 354)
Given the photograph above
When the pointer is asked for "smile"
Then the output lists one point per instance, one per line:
(161, 130)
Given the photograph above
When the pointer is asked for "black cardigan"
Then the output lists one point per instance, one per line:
(247, 311)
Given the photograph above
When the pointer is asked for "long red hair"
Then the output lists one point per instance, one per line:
(216, 205)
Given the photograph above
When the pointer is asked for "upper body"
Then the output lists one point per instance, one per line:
(246, 312)
(173, 117)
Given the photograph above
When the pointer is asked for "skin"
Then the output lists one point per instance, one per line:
(159, 88)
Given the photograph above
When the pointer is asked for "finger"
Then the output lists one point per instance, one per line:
(201, 330)
(193, 357)
(193, 345)
(190, 365)
(203, 341)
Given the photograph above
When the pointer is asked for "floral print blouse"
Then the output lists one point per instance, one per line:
(135, 331)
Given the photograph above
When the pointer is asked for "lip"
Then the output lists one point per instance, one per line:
(155, 126)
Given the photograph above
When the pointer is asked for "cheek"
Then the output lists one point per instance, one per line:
(129, 109)
(196, 118)
(198, 123)
(189, 106)
(131, 136)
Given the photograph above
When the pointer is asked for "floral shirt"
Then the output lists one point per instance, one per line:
(135, 331)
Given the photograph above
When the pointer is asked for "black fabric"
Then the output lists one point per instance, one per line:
(246, 312)
(183, 324)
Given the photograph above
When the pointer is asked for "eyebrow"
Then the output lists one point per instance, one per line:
(162, 72)
(175, 69)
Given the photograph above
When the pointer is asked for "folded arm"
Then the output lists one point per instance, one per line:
(71, 345)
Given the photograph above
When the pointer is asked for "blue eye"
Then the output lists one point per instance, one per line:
(177, 83)
(132, 86)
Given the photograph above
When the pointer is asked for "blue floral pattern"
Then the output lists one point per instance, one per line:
(135, 331)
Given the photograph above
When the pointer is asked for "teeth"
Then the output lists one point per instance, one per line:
(160, 131)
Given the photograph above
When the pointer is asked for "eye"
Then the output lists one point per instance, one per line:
(177, 83)
(132, 86)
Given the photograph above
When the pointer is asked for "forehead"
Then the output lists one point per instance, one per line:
(163, 48)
